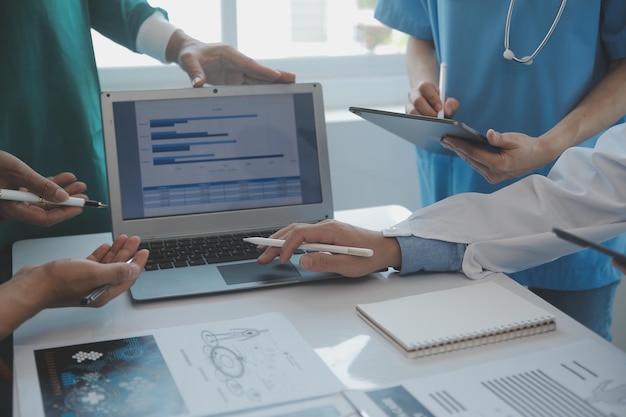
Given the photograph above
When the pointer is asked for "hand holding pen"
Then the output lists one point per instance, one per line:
(16, 175)
(71, 282)
(112, 270)
(124, 249)
(63, 283)
(429, 97)
(25, 196)
(339, 247)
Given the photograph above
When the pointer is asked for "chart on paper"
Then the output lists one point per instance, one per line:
(583, 379)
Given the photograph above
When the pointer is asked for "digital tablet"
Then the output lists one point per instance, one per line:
(423, 131)
(621, 258)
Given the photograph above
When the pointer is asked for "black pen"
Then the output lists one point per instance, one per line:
(97, 292)
(94, 294)
(15, 195)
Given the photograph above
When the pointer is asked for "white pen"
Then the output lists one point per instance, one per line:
(443, 69)
(320, 247)
(15, 195)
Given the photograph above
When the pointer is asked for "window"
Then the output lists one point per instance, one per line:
(311, 28)
(337, 43)
(200, 19)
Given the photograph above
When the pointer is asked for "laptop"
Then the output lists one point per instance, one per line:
(191, 169)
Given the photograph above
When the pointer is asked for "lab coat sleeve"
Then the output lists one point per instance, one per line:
(510, 229)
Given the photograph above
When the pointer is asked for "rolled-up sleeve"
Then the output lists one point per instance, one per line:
(408, 16)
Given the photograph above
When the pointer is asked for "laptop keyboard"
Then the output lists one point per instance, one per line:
(202, 250)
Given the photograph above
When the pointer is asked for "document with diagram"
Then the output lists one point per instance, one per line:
(196, 370)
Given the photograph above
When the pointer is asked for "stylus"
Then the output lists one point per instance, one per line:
(15, 195)
(319, 247)
(443, 69)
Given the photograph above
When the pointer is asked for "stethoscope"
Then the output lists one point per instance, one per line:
(509, 54)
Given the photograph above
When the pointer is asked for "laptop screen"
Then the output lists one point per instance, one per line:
(216, 160)
(209, 154)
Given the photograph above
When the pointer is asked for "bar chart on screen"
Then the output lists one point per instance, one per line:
(218, 153)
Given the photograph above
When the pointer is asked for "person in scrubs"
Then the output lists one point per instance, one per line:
(479, 234)
(537, 78)
(50, 105)
(49, 102)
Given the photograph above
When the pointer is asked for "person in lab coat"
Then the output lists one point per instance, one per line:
(504, 231)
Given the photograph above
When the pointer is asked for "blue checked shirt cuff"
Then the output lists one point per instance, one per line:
(419, 254)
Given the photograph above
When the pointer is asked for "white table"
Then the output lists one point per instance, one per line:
(323, 312)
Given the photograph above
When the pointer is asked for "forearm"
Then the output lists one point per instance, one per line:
(17, 304)
(602, 107)
(421, 61)
(175, 44)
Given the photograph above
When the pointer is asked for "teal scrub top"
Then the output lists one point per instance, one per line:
(507, 96)
(50, 106)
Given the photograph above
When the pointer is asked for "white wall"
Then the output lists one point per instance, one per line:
(370, 167)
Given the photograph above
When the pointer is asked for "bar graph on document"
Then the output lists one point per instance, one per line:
(535, 393)
(218, 158)
(583, 379)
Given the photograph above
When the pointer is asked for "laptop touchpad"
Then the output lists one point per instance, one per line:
(254, 272)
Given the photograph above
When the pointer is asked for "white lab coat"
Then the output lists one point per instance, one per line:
(510, 229)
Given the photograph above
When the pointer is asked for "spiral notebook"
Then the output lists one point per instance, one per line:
(458, 318)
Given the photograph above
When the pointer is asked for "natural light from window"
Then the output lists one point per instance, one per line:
(271, 29)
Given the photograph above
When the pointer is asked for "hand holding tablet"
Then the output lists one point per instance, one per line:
(423, 131)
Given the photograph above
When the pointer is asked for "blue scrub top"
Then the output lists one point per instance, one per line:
(507, 96)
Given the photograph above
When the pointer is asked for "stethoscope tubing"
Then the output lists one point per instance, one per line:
(507, 31)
